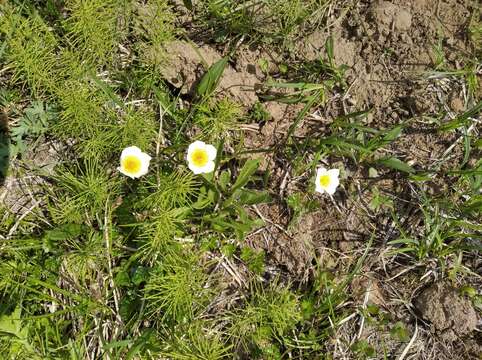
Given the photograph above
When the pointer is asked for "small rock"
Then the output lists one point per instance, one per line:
(402, 21)
(363, 285)
(456, 104)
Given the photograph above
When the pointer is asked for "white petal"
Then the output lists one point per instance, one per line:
(145, 161)
(195, 169)
(211, 150)
(143, 170)
(320, 171)
(131, 150)
(209, 167)
(318, 188)
(331, 188)
(194, 146)
(146, 157)
(334, 173)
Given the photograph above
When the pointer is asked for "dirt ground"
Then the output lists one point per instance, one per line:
(388, 47)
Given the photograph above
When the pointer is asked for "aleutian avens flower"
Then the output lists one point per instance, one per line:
(200, 157)
(133, 162)
(327, 180)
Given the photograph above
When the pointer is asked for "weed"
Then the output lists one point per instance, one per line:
(33, 124)
(217, 119)
(83, 193)
(175, 291)
(182, 265)
(267, 318)
(31, 45)
(92, 29)
(154, 25)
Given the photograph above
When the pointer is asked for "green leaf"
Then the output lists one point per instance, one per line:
(63, 232)
(140, 275)
(245, 174)
(392, 134)
(396, 164)
(122, 278)
(462, 119)
(253, 259)
(363, 348)
(420, 177)
(251, 197)
(400, 332)
(329, 49)
(12, 324)
(467, 148)
(403, 241)
(188, 4)
(212, 77)
(224, 180)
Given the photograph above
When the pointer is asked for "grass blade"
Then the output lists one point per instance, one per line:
(211, 79)
(396, 164)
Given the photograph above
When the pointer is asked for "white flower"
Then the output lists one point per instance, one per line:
(327, 180)
(133, 162)
(200, 157)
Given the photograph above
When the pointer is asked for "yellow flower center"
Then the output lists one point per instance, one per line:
(199, 157)
(325, 180)
(131, 164)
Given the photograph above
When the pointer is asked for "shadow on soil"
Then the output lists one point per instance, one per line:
(4, 147)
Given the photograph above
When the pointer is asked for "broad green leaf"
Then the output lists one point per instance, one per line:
(212, 77)
(403, 241)
(392, 134)
(224, 180)
(245, 174)
(396, 164)
(336, 141)
(251, 197)
(420, 177)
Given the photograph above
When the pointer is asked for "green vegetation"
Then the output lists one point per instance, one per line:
(163, 267)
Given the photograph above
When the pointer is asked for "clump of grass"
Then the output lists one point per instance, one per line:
(93, 30)
(217, 118)
(83, 193)
(83, 260)
(271, 22)
(31, 50)
(265, 320)
(175, 190)
(154, 25)
(137, 126)
(82, 111)
(196, 342)
(158, 234)
(176, 291)
(167, 199)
